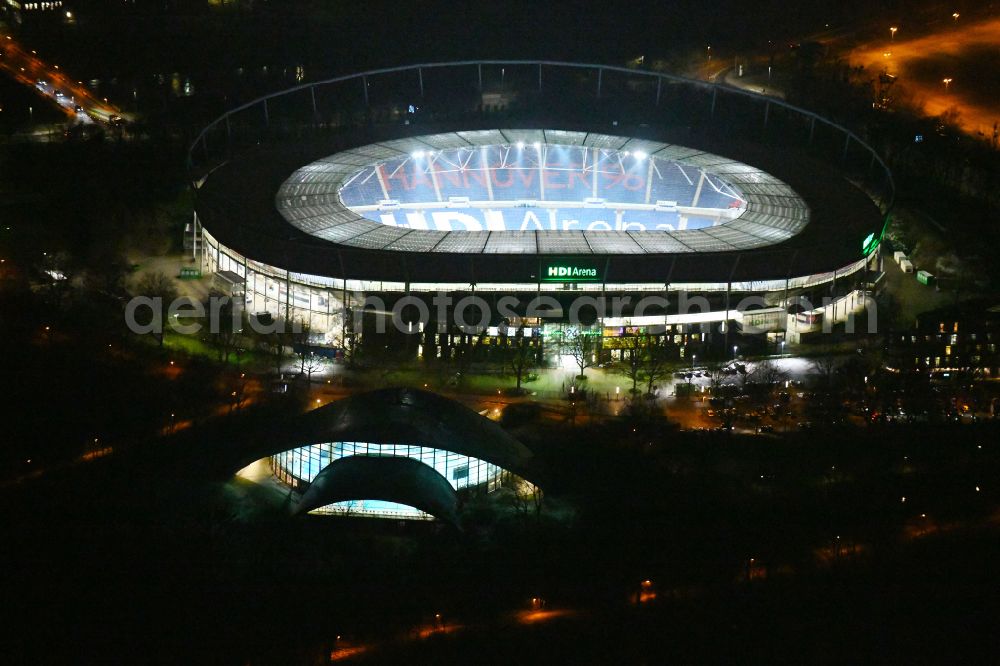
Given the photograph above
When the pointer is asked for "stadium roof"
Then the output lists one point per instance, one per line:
(310, 200)
(236, 205)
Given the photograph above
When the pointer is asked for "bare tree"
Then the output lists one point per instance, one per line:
(272, 341)
(349, 346)
(537, 499)
(520, 356)
(526, 497)
(309, 361)
(631, 364)
(583, 347)
(299, 337)
(347, 508)
(825, 368)
(765, 377)
(162, 290)
(311, 364)
(226, 330)
(655, 364)
(716, 376)
(768, 372)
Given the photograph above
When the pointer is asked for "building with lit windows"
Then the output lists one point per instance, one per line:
(956, 340)
(32, 6)
(595, 182)
(18, 11)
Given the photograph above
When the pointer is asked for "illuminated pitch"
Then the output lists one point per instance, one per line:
(515, 191)
(538, 187)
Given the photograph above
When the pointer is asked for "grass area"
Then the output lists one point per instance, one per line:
(194, 345)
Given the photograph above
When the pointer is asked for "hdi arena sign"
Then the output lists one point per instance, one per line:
(569, 271)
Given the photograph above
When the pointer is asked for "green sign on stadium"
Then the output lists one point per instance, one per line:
(872, 241)
(570, 270)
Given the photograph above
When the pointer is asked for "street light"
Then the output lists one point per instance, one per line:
(946, 83)
(955, 16)
(710, 53)
(892, 32)
(735, 350)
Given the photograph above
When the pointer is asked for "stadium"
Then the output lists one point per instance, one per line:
(538, 181)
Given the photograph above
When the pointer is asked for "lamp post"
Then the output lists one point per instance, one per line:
(892, 33)
(946, 83)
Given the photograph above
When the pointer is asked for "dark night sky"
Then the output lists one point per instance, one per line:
(346, 35)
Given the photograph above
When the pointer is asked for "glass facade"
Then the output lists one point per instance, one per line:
(320, 301)
(312, 299)
(372, 508)
(298, 468)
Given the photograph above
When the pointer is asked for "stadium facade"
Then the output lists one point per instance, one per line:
(588, 181)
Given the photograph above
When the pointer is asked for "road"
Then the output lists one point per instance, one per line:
(610, 389)
(53, 84)
(962, 50)
(965, 52)
(754, 84)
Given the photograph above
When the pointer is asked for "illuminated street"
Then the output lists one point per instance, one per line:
(965, 53)
(53, 83)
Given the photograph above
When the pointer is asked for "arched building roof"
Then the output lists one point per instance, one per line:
(387, 478)
(410, 416)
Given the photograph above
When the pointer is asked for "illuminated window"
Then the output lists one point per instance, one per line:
(300, 466)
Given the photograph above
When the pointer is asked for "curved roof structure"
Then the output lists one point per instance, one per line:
(555, 169)
(383, 416)
(405, 415)
(236, 205)
(388, 478)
